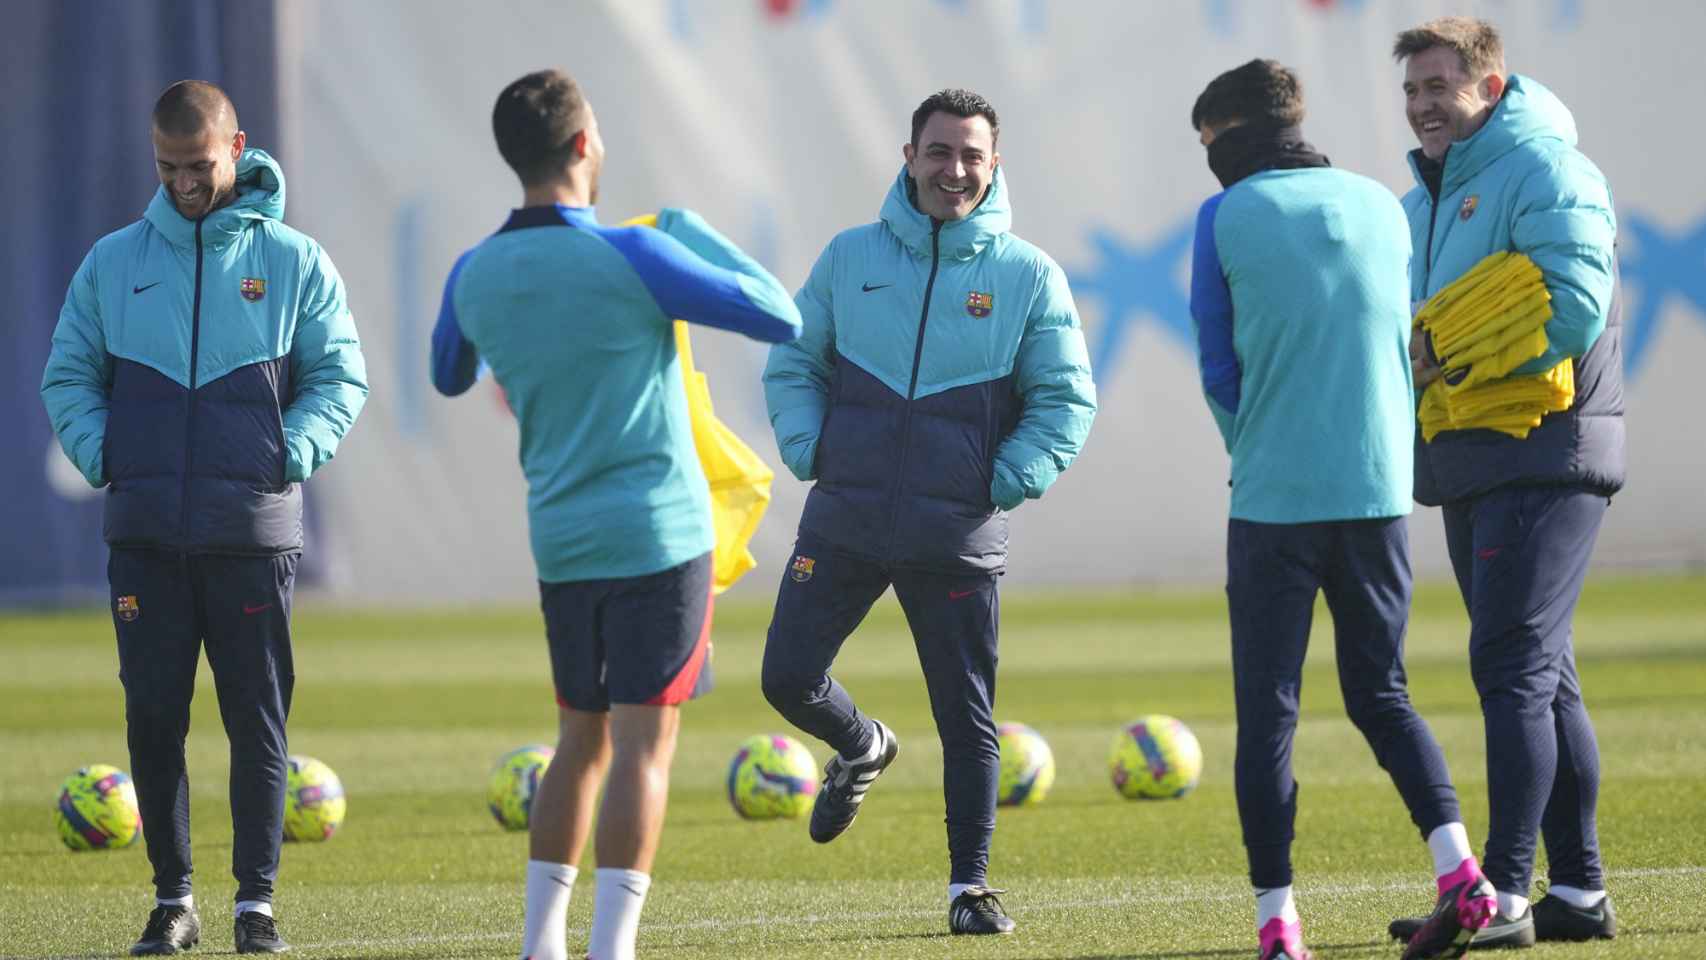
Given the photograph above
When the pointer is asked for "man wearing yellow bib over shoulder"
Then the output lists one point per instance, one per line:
(574, 320)
(739, 480)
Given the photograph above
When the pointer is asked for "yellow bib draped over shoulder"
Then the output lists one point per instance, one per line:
(739, 480)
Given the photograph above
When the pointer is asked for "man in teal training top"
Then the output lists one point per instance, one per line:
(574, 320)
(1299, 296)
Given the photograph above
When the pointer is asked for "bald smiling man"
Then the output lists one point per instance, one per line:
(204, 366)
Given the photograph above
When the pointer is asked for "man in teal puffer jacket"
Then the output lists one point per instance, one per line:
(941, 380)
(1498, 170)
(204, 365)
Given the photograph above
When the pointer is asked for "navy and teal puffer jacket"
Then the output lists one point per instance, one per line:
(941, 379)
(1519, 183)
(201, 369)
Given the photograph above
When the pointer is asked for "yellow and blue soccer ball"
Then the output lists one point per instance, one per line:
(313, 800)
(1027, 766)
(97, 809)
(515, 779)
(1155, 757)
(772, 776)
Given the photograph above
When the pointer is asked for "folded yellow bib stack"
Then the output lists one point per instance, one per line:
(1483, 325)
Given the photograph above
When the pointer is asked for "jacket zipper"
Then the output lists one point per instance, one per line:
(912, 387)
(189, 417)
(1428, 261)
(1428, 254)
(1433, 218)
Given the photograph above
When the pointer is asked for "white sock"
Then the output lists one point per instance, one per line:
(1512, 905)
(873, 751)
(1275, 902)
(548, 887)
(1449, 844)
(253, 906)
(955, 889)
(187, 900)
(616, 905)
(1576, 896)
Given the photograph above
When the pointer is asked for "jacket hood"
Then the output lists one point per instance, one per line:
(961, 239)
(1527, 112)
(260, 196)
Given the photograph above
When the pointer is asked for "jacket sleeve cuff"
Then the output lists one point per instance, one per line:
(298, 459)
(801, 458)
(95, 468)
(1004, 491)
(797, 433)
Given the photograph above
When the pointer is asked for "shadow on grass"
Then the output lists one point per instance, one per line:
(1637, 932)
(878, 937)
(1367, 948)
(59, 853)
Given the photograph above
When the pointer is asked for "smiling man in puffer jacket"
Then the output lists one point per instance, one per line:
(1498, 170)
(205, 365)
(940, 381)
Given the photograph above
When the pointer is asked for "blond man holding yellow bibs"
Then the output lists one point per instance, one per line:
(1517, 349)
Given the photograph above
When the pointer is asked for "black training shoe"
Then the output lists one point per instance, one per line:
(844, 786)
(1556, 919)
(169, 930)
(1503, 931)
(257, 933)
(976, 911)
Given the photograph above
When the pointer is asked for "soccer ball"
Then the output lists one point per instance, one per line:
(97, 809)
(313, 800)
(509, 793)
(1154, 758)
(1027, 766)
(772, 776)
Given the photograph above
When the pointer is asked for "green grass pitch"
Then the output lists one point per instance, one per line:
(412, 708)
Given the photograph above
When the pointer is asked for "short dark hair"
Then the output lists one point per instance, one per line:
(535, 122)
(1261, 90)
(189, 107)
(1477, 43)
(960, 103)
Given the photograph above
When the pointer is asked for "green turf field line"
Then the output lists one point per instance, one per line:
(1145, 893)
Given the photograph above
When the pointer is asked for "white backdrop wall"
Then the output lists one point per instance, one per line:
(782, 122)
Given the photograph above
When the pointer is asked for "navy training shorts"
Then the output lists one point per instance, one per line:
(634, 640)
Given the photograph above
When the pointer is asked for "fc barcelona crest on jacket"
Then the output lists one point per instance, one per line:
(127, 608)
(979, 304)
(1469, 204)
(253, 289)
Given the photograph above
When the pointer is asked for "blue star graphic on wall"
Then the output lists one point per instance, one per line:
(1659, 266)
(1221, 17)
(1132, 282)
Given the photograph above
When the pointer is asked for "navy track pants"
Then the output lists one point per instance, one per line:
(1273, 574)
(954, 620)
(1521, 557)
(165, 607)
